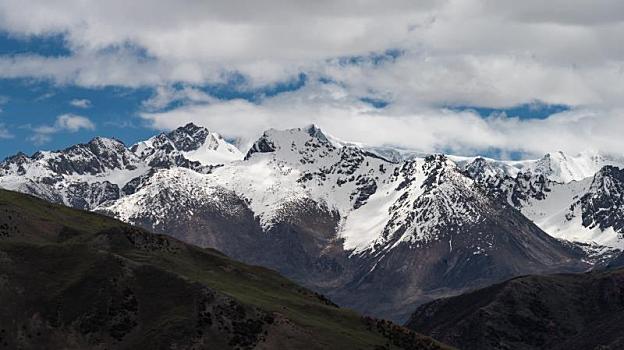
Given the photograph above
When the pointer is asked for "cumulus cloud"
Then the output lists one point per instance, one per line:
(471, 51)
(426, 129)
(64, 123)
(80, 103)
(73, 123)
(166, 95)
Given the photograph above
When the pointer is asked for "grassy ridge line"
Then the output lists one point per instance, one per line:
(73, 241)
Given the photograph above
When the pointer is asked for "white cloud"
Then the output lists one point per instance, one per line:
(73, 123)
(430, 130)
(455, 52)
(5, 133)
(494, 53)
(165, 95)
(80, 103)
(40, 139)
(64, 123)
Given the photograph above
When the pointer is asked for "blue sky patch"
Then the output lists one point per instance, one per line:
(534, 110)
(375, 58)
(26, 104)
(375, 102)
(31, 104)
(237, 88)
(50, 45)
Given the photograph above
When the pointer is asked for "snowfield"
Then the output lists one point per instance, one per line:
(377, 191)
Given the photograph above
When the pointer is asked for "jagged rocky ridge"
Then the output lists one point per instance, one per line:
(558, 193)
(339, 218)
(87, 175)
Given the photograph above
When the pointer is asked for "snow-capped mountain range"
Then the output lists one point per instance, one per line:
(344, 218)
(560, 193)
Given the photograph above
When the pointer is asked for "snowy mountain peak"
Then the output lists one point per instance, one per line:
(436, 165)
(18, 158)
(189, 137)
(438, 159)
(189, 146)
(607, 178)
(479, 167)
(96, 145)
(105, 142)
(590, 211)
(316, 132)
(564, 168)
(603, 204)
(97, 156)
(290, 141)
(185, 138)
(436, 201)
(15, 163)
(554, 166)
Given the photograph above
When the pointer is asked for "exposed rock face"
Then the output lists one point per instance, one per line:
(445, 236)
(603, 205)
(84, 195)
(576, 199)
(582, 311)
(87, 175)
(189, 137)
(516, 188)
(263, 145)
(92, 158)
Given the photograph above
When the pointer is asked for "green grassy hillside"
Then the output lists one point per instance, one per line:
(76, 280)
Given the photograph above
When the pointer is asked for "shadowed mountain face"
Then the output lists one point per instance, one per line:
(572, 311)
(76, 280)
(603, 205)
